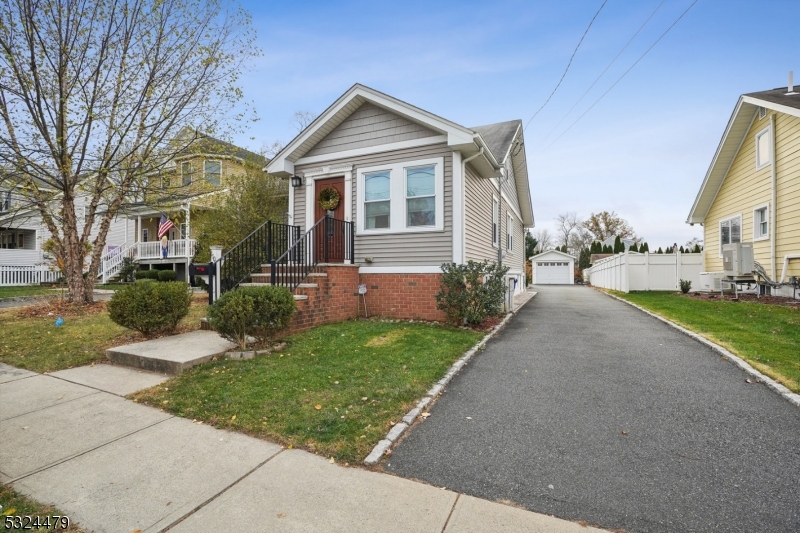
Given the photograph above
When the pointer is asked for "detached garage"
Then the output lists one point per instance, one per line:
(553, 268)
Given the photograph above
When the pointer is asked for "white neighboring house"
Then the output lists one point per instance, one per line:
(553, 268)
(626, 241)
(23, 234)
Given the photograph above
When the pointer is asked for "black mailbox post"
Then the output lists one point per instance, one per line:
(204, 269)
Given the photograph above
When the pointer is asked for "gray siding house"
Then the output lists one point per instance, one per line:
(421, 190)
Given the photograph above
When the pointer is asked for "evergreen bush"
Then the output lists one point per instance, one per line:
(685, 285)
(127, 270)
(146, 274)
(258, 312)
(150, 308)
(167, 275)
(471, 292)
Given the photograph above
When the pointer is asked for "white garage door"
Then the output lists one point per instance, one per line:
(552, 272)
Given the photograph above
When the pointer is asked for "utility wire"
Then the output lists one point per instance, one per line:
(623, 74)
(568, 64)
(601, 74)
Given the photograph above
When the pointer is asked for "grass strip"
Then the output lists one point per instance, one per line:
(36, 344)
(334, 390)
(27, 290)
(766, 336)
(16, 505)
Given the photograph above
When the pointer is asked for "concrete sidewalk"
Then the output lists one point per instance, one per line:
(113, 465)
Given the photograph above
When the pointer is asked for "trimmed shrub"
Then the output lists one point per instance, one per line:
(127, 270)
(685, 285)
(258, 312)
(167, 275)
(147, 274)
(150, 308)
(471, 292)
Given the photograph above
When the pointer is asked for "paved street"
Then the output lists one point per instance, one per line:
(586, 408)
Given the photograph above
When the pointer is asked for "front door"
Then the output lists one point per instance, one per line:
(330, 238)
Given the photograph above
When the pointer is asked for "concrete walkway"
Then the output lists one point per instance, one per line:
(113, 465)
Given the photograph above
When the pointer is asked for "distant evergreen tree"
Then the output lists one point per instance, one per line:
(585, 258)
(618, 246)
(644, 248)
(697, 249)
(660, 251)
(680, 249)
(633, 248)
(607, 249)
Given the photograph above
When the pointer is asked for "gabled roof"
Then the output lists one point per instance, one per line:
(549, 252)
(496, 140)
(735, 132)
(465, 140)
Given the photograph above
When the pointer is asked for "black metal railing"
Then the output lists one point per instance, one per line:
(268, 241)
(330, 240)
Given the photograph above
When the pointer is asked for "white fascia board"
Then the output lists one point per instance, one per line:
(431, 269)
(793, 111)
(413, 143)
(693, 218)
(282, 168)
(550, 252)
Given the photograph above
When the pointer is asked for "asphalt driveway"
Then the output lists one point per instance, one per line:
(587, 409)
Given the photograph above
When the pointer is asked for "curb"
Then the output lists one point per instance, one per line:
(408, 420)
(790, 396)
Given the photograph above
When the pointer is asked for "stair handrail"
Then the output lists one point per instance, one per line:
(258, 248)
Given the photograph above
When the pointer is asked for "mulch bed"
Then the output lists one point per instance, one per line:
(57, 307)
(764, 299)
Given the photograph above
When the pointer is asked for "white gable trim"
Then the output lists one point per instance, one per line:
(771, 105)
(413, 143)
(553, 252)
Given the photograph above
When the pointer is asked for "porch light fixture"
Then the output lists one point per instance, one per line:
(297, 181)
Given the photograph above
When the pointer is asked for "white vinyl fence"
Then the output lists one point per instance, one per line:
(628, 271)
(26, 275)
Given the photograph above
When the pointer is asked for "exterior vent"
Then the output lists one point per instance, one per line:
(762, 112)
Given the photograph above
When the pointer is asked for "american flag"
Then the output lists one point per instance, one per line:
(164, 226)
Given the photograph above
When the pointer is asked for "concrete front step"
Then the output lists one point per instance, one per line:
(171, 355)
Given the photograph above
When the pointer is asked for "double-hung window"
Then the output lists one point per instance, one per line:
(730, 231)
(401, 197)
(377, 200)
(761, 223)
(495, 221)
(213, 172)
(763, 148)
(186, 173)
(5, 202)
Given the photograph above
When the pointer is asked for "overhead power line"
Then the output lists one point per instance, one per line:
(624, 74)
(601, 74)
(568, 64)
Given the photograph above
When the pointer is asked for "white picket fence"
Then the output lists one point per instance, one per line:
(26, 275)
(628, 271)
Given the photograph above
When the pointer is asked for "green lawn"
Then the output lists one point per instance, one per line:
(27, 290)
(334, 390)
(15, 504)
(37, 344)
(766, 336)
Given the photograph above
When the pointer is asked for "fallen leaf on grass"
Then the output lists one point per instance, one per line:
(233, 418)
(318, 407)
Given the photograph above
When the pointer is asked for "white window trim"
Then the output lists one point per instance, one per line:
(719, 229)
(495, 220)
(397, 213)
(510, 234)
(190, 173)
(205, 177)
(756, 222)
(765, 131)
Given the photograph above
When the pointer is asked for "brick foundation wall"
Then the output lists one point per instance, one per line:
(334, 300)
(406, 296)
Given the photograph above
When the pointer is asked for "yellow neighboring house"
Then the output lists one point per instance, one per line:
(751, 192)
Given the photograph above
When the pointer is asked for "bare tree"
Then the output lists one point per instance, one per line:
(566, 224)
(604, 224)
(579, 240)
(93, 94)
(544, 241)
(302, 119)
(271, 150)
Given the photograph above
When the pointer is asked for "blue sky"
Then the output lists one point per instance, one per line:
(642, 151)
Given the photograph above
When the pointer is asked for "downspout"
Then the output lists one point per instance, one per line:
(773, 211)
(463, 199)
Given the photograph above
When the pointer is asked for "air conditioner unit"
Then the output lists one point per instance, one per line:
(711, 281)
(737, 259)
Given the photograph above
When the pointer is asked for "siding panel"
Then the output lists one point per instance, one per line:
(369, 125)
